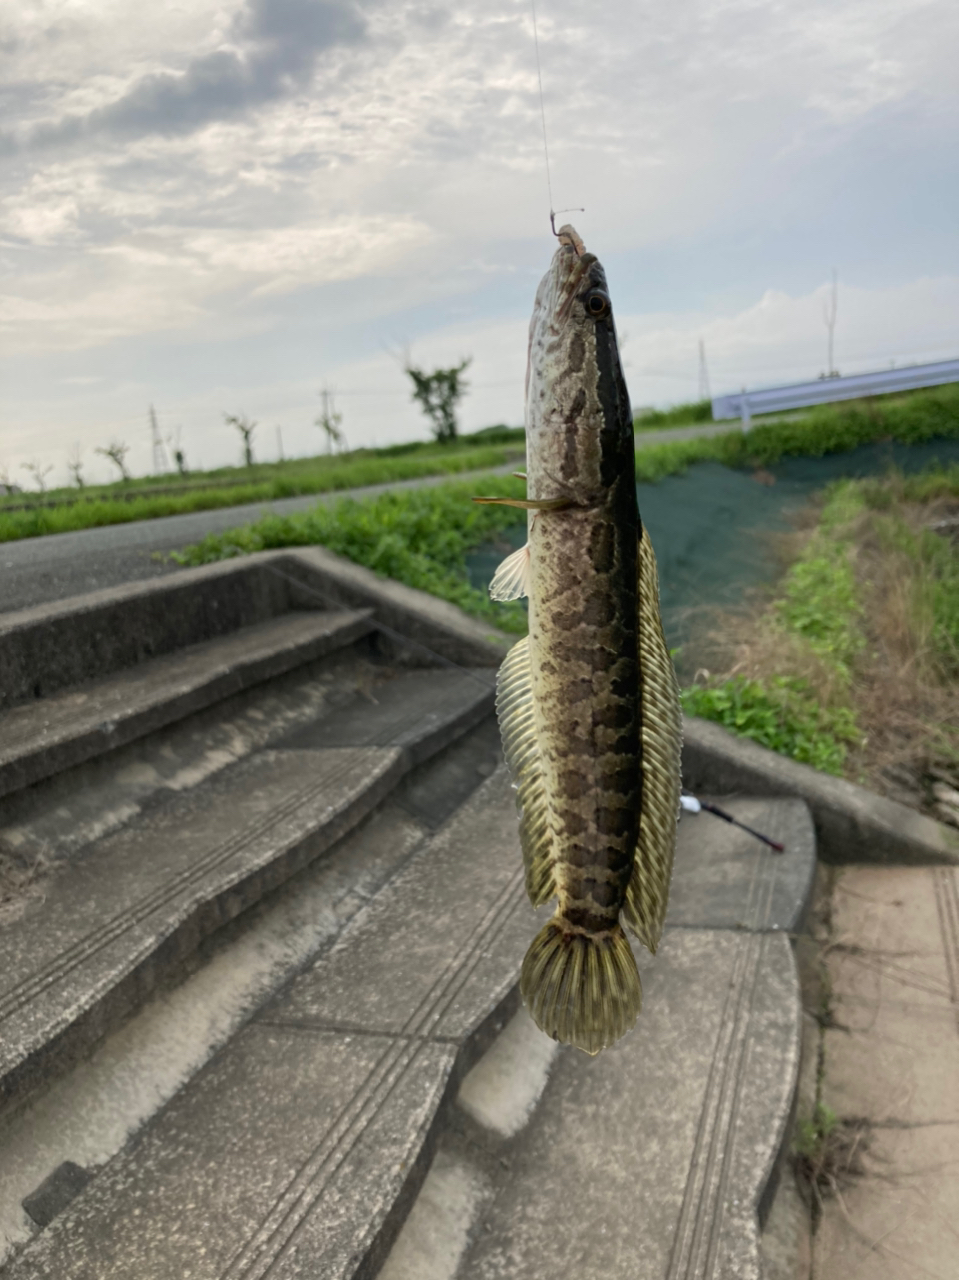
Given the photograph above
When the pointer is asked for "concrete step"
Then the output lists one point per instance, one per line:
(658, 1159)
(54, 733)
(299, 1149)
(128, 912)
(85, 1117)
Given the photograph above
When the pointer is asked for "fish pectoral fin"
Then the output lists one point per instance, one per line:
(511, 579)
(662, 737)
(530, 504)
(514, 710)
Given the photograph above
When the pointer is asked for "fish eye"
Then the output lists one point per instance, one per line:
(597, 304)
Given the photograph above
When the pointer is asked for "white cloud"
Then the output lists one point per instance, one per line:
(254, 170)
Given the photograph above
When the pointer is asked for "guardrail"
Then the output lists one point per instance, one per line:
(800, 395)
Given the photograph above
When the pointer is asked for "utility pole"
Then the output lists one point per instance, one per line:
(279, 444)
(161, 463)
(829, 315)
(704, 392)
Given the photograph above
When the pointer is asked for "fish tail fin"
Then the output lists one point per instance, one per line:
(581, 988)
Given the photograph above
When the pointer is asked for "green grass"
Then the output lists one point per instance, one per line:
(818, 609)
(680, 415)
(920, 416)
(258, 484)
(912, 419)
(781, 714)
(417, 536)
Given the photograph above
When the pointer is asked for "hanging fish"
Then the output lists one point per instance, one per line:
(588, 704)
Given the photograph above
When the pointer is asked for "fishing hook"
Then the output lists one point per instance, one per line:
(552, 217)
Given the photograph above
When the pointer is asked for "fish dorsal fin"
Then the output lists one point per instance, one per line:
(662, 737)
(514, 710)
(511, 579)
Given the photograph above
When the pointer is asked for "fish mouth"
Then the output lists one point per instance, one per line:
(568, 237)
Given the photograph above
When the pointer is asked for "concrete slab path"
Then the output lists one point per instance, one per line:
(891, 1075)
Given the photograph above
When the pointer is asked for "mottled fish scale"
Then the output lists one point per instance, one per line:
(587, 703)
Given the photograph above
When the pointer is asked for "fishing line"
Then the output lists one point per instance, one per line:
(542, 112)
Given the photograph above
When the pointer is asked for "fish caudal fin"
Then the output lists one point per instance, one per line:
(514, 710)
(581, 988)
(662, 737)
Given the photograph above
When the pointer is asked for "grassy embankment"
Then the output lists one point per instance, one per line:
(853, 667)
(808, 687)
(679, 415)
(29, 515)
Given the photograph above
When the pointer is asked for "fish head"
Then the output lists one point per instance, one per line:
(579, 427)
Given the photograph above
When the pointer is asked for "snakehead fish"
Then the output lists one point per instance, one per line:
(588, 703)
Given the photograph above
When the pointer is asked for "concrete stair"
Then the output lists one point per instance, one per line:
(317, 807)
(658, 1159)
(51, 734)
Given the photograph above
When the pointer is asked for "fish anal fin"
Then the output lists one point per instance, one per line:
(514, 710)
(662, 735)
(511, 579)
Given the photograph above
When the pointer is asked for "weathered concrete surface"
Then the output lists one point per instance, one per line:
(650, 1160)
(297, 1150)
(57, 645)
(420, 618)
(55, 1192)
(420, 711)
(891, 1074)
(87, 1115)
(852, 824)
(57, 732)
(58, 817)
(138, 902)
(723, 878)
(655, 1159)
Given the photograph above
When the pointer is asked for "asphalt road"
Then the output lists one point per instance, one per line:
(34, 571)
(37, 570)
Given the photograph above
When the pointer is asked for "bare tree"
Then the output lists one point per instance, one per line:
(246, 426)
(39, 473)
(829, 315)
(6, 484)
(117, 452)
(329, 421)
(438, 393)
(75, 467)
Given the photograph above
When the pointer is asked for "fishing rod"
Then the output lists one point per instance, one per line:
(692, 805)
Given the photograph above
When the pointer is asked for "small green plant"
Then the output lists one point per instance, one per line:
(418, 536)
(828, 1156)
(781, 714)
(813, 1132)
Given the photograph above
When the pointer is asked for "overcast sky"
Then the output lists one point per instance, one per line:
(220, 207)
